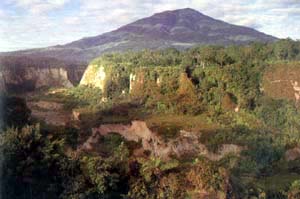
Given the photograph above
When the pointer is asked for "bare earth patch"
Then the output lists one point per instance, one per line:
(50, 112)
(186, 143)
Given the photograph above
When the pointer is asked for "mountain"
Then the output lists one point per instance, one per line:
(181, 29)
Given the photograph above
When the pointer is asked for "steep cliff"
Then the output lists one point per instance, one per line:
(114, 78)
(23, 74)
(95, 75)
(2, 82)
(32, 78)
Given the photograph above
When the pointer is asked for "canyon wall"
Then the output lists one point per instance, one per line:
(109, 77)
(19, 74)
(31, 78)
(95, 76)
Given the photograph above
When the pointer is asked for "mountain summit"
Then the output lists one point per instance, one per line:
(181, 29)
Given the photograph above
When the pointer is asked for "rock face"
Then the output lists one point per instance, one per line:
(186, 143)
(94, 76)
(32, 78)
(103, 74)
(2, 82)
(296, 90)
(98, 75)
(132, 80)
(22, 73)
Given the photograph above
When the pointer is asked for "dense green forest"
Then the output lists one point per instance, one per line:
(226, 88)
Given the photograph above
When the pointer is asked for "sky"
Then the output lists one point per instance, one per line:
(28, 24)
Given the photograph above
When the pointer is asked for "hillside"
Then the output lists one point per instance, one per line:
(208, 122)
(180, 29)
(19, 74)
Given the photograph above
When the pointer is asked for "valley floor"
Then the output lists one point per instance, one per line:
(164, 135)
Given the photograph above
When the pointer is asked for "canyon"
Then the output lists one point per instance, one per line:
(26, 74)
(182, 122)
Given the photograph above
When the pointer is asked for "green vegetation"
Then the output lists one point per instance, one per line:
(223, 94)
(76, 97)
(14, 112)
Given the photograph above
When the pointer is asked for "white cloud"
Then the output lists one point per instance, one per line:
(2, 13)
(39, 6)
(37, 28)
(289, 11)
(72, 20)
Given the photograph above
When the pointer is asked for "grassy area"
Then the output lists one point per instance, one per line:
(76, 97)
(168, 126)
(188, 122)
(277, 182)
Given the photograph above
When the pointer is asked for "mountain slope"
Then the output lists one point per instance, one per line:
(181, 29)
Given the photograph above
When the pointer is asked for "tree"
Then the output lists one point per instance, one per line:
(29, 157)
(187, 98)
(294, 191)
(222, 58)
(14, 112)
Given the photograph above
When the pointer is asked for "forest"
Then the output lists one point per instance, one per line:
(242, 95)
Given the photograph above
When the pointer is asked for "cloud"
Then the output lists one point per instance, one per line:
(249, 21)
(72, 20)
(38, 23)
(2, 13)
(287, 11)
(39, 6)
